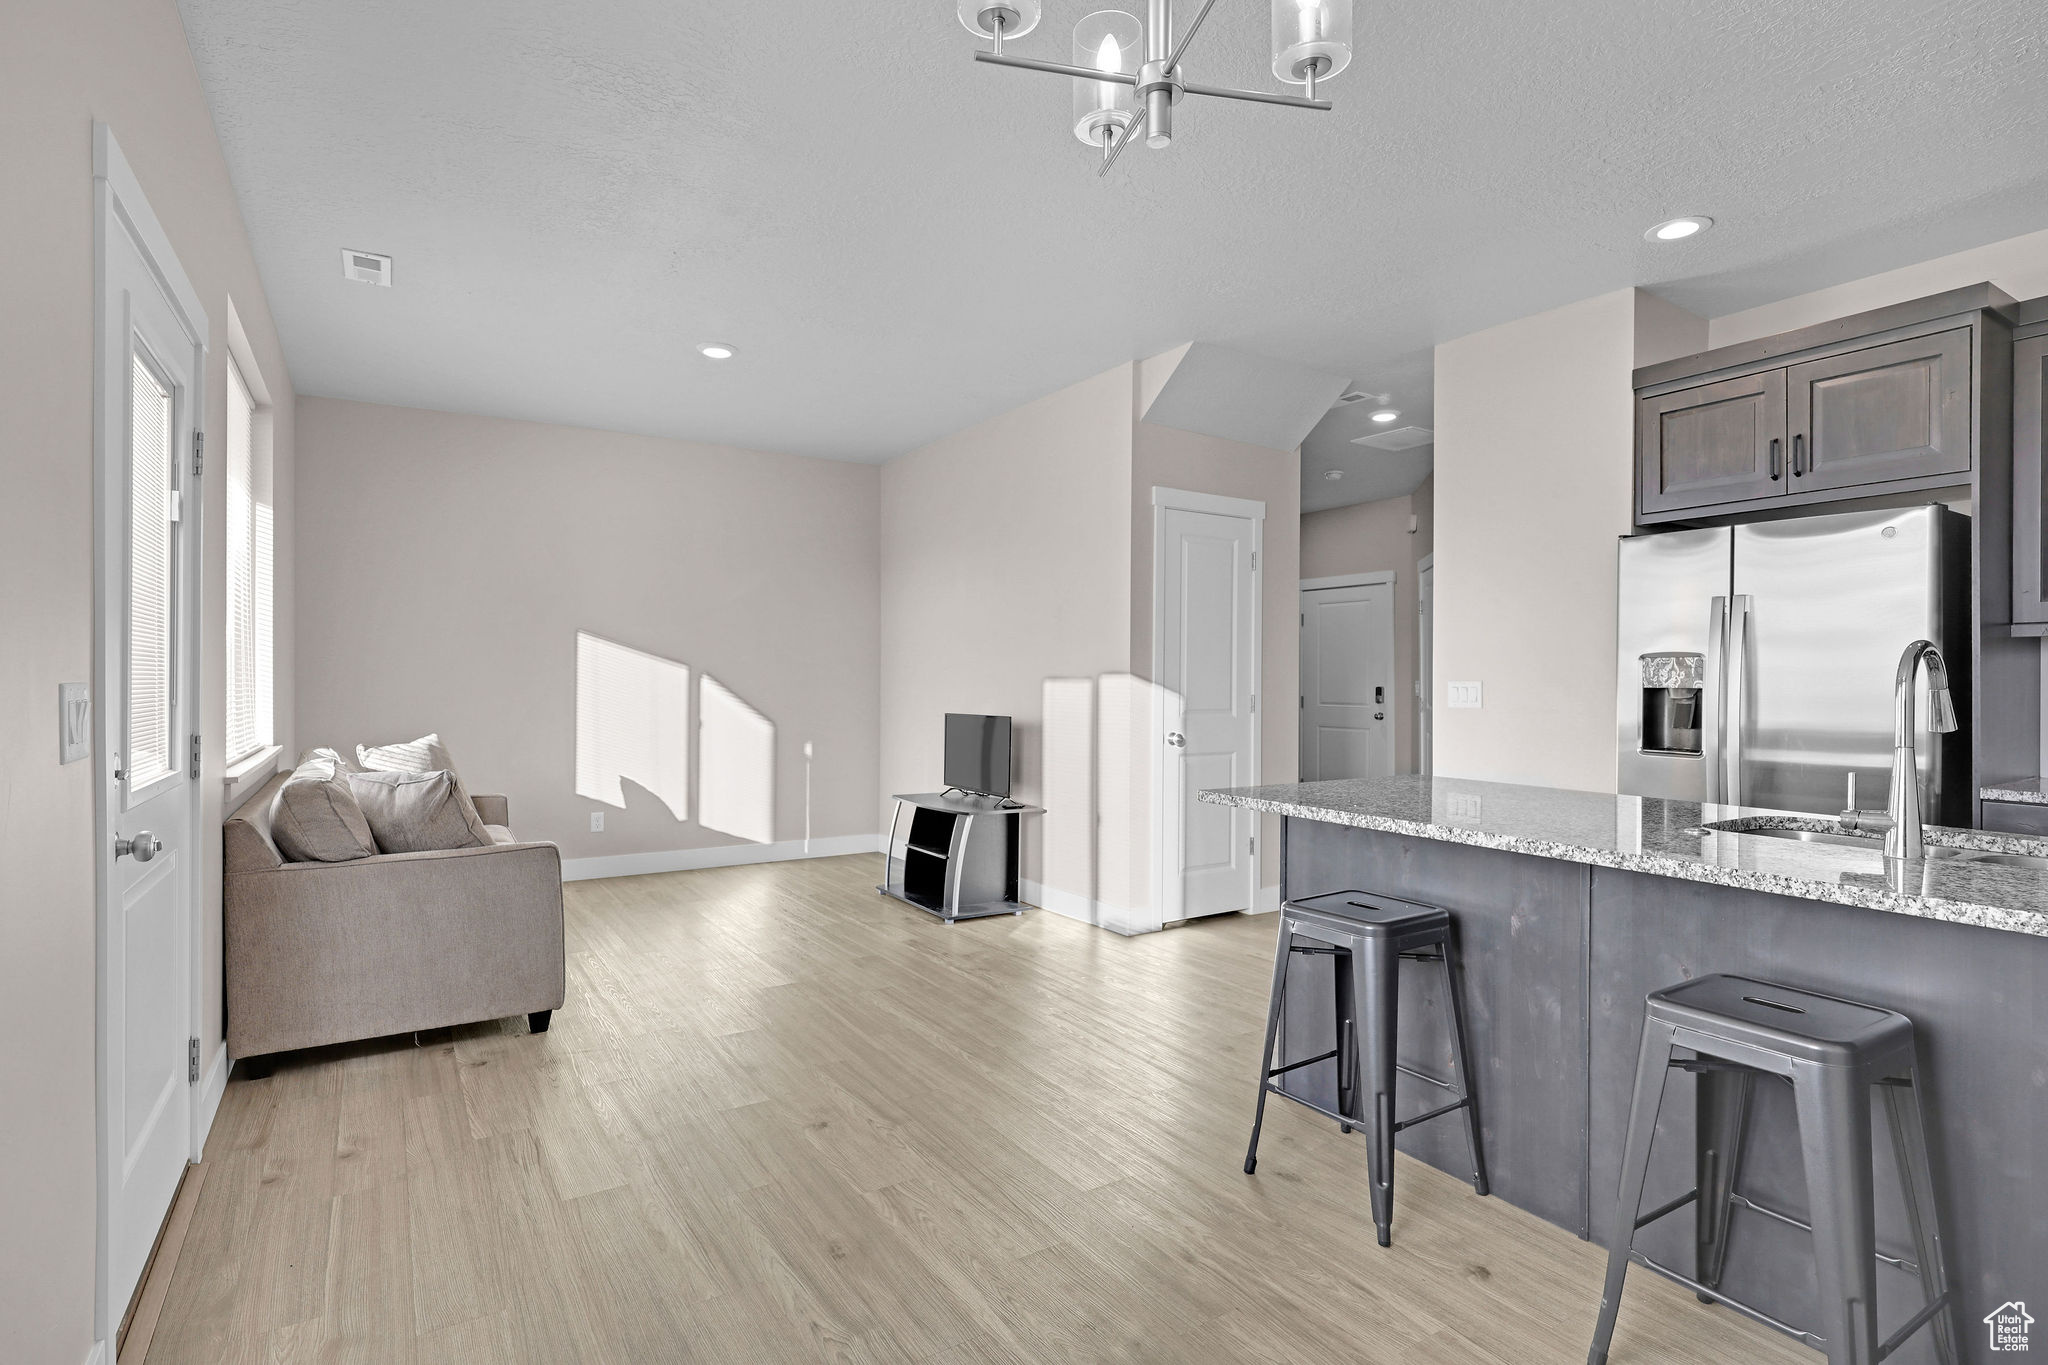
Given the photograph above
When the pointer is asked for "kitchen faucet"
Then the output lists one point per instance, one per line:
(1903, 834)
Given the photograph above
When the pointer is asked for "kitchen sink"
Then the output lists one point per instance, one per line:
(1819, 830)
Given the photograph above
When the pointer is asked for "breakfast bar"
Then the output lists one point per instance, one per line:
(1571, 907)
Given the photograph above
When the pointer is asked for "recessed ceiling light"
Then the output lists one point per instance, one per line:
(1678, 229)
(716, 350)
(1385, 415)
(1333, 473)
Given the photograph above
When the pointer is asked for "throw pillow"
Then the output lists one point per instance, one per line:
(418, 812)
(314, 818)
(423, 755)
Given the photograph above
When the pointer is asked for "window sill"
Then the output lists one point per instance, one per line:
(246, 776)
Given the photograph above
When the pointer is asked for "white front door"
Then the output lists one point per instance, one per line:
(147, 520)
(1208, 676)
(1347, 680)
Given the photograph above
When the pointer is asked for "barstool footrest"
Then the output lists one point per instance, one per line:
(1423, 1076)
(1912, 1325)
(1670, 1206)
(1436, 1113)
(1744, 1201)
(1296, 1066)
(1753, 1314)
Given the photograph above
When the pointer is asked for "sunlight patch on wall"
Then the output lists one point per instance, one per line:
(632, 721)
(736, 756)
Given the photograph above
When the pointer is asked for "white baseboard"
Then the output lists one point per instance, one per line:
(97, 1355)
(1070, 905)
(725, 855)
(210, 1093)
(1268, 901)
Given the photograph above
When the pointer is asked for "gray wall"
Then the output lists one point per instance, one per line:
(449, 561)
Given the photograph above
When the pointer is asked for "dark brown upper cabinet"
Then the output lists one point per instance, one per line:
(1899, 411)
(2030, 489)
(1878, 404)
(1716, 443)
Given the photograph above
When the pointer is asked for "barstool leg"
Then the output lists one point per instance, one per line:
(1652, 1063)
(1380, 972)
(1724, 1095)
(1834, 1139)
(1275, 998)
(1905, 1109)
(1454, 991)
(1345, 982)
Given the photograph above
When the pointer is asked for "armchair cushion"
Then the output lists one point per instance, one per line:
(427, 754)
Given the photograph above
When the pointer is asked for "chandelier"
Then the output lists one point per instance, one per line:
(1127, 76)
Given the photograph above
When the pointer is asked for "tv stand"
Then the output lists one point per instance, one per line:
(957, 858)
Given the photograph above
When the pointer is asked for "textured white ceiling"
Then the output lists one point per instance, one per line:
(901, 241)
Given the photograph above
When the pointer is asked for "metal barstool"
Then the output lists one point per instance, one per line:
(1367, 936)
(1833, 1052)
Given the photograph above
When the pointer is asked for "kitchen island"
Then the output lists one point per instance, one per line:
(1572, 906)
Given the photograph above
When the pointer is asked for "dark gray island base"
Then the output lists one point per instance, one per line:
(1572, 907)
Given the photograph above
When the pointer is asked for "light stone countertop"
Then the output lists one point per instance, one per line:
(1664, 838)
(2025, 792)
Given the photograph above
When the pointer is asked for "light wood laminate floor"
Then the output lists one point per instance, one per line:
(782, 1119)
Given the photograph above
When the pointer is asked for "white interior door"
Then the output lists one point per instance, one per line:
(1347, 679)
(1425, 661)
(1208, 651)
(147, 520)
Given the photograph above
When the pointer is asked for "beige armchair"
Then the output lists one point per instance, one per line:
(329, 952)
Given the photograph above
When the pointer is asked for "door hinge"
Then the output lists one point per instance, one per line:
(1255, 703)
(191, 1061)
(1252, 845)
(1255, 561)
(1304, 703)
(198, 452)
(195, 755)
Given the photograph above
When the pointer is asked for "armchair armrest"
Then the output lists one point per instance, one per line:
(492, 810)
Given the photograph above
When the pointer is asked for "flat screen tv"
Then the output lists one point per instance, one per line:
(978, 753)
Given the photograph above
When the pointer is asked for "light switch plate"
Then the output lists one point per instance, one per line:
(1463, 806)
(597, 822)
(1463, 694)
(74, 722)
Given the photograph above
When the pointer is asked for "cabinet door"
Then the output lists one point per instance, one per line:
(1897, 411)
(2029, 486)
(1721, 442)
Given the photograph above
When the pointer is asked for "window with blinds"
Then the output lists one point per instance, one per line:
(249, 719)
(150, 529)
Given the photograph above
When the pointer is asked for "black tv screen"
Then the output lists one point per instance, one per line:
(978, 753)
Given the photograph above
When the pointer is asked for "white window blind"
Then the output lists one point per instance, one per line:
(149, 573)
(249, 718)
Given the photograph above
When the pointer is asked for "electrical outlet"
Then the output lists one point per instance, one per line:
(1462, 806)
(1462, 694)
(597, 822)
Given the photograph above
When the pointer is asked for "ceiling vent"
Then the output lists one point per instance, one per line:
(366, 267)
(1360, 396)
(1400, 438)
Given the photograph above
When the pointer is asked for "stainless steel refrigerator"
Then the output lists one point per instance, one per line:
(1757, 663)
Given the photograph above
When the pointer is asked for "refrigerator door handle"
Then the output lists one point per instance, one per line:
(1734, 693)
(1715, 712)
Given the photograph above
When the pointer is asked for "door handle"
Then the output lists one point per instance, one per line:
(142, 847)
(1799, 456)
(1379, 715)
(1379, 696)
(1177, 739)
(1777, 463)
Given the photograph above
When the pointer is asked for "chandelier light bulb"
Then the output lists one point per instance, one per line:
(1108, 40)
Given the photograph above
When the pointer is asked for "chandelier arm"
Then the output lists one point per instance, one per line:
(1188, 36)
(1257, 97)
(1057, 69)
(1130, 131)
